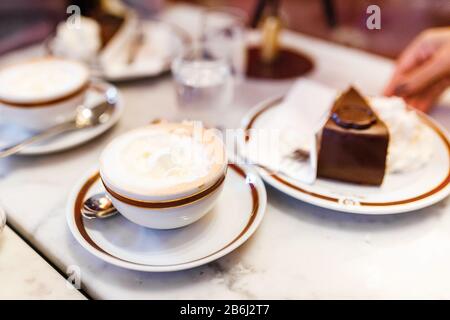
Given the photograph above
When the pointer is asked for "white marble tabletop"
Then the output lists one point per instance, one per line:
(26, 275)
(299, 251)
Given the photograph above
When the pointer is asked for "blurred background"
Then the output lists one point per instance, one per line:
(23, 22)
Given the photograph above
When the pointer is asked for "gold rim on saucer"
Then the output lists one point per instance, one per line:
(79, 222)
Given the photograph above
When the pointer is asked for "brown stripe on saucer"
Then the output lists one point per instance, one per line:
(166, 204)
(436, 189)
(79, 223)
(47, 103)
(77, 209)
(256, 115)
(445, 182)
(287, 183)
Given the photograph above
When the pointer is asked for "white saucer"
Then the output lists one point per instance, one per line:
(161, 42)
(399, 192)
(116, 240)
(10, 133)
(175, 40)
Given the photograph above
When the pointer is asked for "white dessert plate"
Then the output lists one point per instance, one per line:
(11, 133)
(400, 192)
(116, 240)
(159, 43)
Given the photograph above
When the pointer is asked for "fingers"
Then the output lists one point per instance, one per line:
(422, 48)
(426, 74)
(424, 100)
(414, 54)
(393, 83)
(417, 54)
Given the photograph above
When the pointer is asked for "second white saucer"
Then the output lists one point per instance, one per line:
(10, 133)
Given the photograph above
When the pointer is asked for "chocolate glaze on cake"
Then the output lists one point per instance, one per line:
(354, 142)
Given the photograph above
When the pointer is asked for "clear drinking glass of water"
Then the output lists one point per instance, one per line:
(223, 34)
(203, 82)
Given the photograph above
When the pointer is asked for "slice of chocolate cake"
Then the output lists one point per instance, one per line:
(353, 143)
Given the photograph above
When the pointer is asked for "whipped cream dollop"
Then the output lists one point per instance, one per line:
(409, 138)
(163, 158)
(42, 79)
(80, 41)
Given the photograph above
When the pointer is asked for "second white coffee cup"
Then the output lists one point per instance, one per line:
(39, 93)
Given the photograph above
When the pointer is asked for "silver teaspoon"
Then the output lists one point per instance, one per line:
(85, 117)
(98, 206)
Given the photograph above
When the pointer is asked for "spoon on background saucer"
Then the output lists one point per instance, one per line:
(98, 206)
(85, 117)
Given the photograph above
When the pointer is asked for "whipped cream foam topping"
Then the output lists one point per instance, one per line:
(79, 41)
(41, 80)
(162, 159)
(409, 138)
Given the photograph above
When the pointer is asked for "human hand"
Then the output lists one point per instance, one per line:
(423, 69)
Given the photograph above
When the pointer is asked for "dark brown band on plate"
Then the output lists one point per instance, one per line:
(436, 189)
(166, 204)
(79, 223)
(423, 117)
(256, 115)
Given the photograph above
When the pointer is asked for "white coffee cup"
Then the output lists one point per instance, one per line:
(42, 92)
(152, 185)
